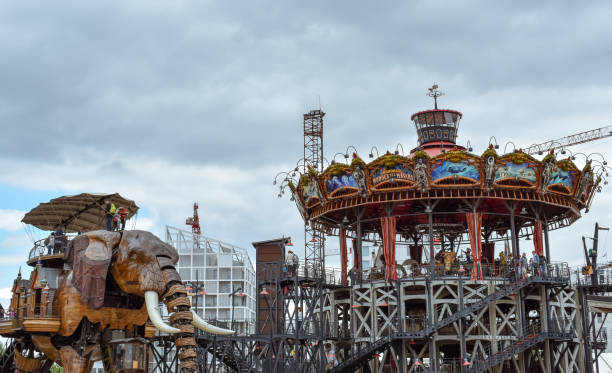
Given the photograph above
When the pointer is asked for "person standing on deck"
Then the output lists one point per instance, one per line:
(543, 268)
(502, 263)
(353, 275)
(292, 263)
(535, 262)
(332, 361)
(523, 264)
(109, 209)
(300, 318)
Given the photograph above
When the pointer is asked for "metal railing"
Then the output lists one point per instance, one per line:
(58, 246)
(415, 324)
(554, 270)
(604, 277)
(39, 312)
(499, 351)
(7, 356)
(272, 271)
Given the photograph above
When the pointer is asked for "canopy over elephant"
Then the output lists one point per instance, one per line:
(113, 282)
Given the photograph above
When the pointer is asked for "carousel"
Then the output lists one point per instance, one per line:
(465, 297)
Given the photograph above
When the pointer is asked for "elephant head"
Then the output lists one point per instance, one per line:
(137, 265)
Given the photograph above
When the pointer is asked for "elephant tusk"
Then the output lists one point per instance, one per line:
(152, 302)
(203, 325)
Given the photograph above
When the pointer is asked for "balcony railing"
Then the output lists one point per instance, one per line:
(53, 246)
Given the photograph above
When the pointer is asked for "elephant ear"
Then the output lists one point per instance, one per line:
(90, 255)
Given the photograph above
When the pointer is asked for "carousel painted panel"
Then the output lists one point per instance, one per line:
(519, 170)
(388, 176)
(311, 193)
(340, 184)
(585, 185)
(455, 168)
(563, 179)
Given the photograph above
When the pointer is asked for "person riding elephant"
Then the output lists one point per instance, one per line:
(112, 282)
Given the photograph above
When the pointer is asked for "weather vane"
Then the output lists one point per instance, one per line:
(435, 93)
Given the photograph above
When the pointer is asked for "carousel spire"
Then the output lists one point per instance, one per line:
(435, 93)
(436, 128)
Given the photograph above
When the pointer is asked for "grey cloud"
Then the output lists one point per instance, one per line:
(227, 82)
(224, 84)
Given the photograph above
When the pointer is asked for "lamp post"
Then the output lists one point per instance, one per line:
(238, 292)
(195, 290)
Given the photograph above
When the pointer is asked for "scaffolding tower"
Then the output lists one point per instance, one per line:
(313, 158)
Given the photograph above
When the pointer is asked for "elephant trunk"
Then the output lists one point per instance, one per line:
(179, 308)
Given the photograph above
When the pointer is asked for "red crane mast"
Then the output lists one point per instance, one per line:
(194, 221)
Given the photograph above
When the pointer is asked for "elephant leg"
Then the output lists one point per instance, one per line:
(73, 362)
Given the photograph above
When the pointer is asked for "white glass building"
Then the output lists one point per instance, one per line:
(218, 274)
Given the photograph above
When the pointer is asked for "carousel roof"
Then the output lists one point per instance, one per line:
(443, 178)
(452, 182)
(453, 175)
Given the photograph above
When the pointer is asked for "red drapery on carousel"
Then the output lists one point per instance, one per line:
(343, 255)
(474, 223)
(537, 238)
(388, 237)
(416, 253)
(355, 254)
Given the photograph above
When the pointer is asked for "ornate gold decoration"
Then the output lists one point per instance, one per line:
(567, 165)
(337, 169)
(489, 152)
(519, 157)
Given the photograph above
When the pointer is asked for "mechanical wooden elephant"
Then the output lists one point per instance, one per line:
(112, 283)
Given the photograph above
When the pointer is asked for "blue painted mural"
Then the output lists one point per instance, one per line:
(511, 170)
(398, 173)
(565, 178)
(450, 169)
(340, 181)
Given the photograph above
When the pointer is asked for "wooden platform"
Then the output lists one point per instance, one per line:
(53, 260)
(44, 325)
(600, 303)
(8, 326)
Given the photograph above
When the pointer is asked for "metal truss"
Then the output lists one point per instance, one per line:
(314, 239)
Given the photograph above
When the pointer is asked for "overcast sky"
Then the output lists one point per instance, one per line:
(171, 102)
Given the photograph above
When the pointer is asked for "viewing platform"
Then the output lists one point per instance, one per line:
(50, 254)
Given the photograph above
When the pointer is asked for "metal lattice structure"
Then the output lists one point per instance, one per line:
(313, 158)
(563, 142)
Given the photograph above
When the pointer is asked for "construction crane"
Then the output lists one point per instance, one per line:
(564, 142)
(194, 221)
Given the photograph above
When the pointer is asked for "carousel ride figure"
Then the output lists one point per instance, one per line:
(450, 207)
(96, 296)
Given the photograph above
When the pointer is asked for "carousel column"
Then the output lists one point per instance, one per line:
(433, 362)
(359, 245)
(544, 320)
(462, 348)
(545, 317)
(511, 207)
(401, 316)
(521, 293)
(432, 345)
(546, 243)
(432, 255)
(547, 345)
